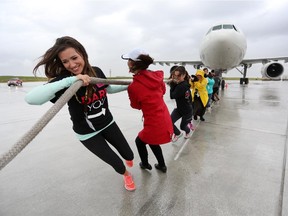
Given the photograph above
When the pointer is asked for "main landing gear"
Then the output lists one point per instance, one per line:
(244, 79)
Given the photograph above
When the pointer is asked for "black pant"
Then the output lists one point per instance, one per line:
(99, 146)
(143, 153)
(186, 118)
(198, 107)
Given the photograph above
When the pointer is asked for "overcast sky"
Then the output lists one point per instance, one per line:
(168, 30)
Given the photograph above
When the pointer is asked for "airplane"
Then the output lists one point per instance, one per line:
(223, 48)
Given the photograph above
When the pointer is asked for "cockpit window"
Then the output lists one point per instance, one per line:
(216, 27)
(224, 26)
(227, 26)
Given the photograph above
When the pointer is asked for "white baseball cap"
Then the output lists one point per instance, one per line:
(134, 54)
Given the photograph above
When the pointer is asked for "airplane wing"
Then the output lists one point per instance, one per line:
(196, 64)
(263, 60)
(271, 68)
(199, 63)
(247, 62)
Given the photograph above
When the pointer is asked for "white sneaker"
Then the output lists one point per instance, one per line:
(209, 109)
(176, 137)
(188, 135)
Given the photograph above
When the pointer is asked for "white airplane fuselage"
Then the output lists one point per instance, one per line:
(223, 49)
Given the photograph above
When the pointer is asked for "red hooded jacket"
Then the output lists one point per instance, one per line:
(146, 94)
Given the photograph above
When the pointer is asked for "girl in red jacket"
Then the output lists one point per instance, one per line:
(146, 94)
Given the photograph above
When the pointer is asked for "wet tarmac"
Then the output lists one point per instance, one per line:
(234, 163)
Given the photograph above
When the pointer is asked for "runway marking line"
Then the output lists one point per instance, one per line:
(185, 143)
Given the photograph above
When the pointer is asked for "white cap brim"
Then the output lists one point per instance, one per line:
(134, 54)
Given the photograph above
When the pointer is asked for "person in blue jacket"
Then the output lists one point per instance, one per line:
(209, 87)
(64, 63)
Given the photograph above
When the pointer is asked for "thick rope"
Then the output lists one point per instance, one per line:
(43, 121)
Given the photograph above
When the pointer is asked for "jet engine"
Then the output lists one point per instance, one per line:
(272, 70)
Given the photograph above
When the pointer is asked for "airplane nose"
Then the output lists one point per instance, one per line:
(222, 51)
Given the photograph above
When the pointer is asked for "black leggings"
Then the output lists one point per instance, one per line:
(198, 108)
(143, 153)
(99, 146)
(175, 116)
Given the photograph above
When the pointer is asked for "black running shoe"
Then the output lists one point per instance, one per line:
(161, 168)
(148, 166)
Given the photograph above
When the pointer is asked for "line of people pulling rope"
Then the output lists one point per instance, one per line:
(93, 123)
(193, 94)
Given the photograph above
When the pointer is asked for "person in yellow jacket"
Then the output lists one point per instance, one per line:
(199, 94)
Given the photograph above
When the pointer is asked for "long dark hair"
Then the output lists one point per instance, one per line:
(182, 71)
(53, 65)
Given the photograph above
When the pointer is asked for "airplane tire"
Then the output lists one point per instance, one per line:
(241, 81)
(246, 80)
(222, 84)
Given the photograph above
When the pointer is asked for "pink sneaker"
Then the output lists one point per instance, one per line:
(129, 163)
(129, 183)
(175, 137)
(187, 136)
(191, 126)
